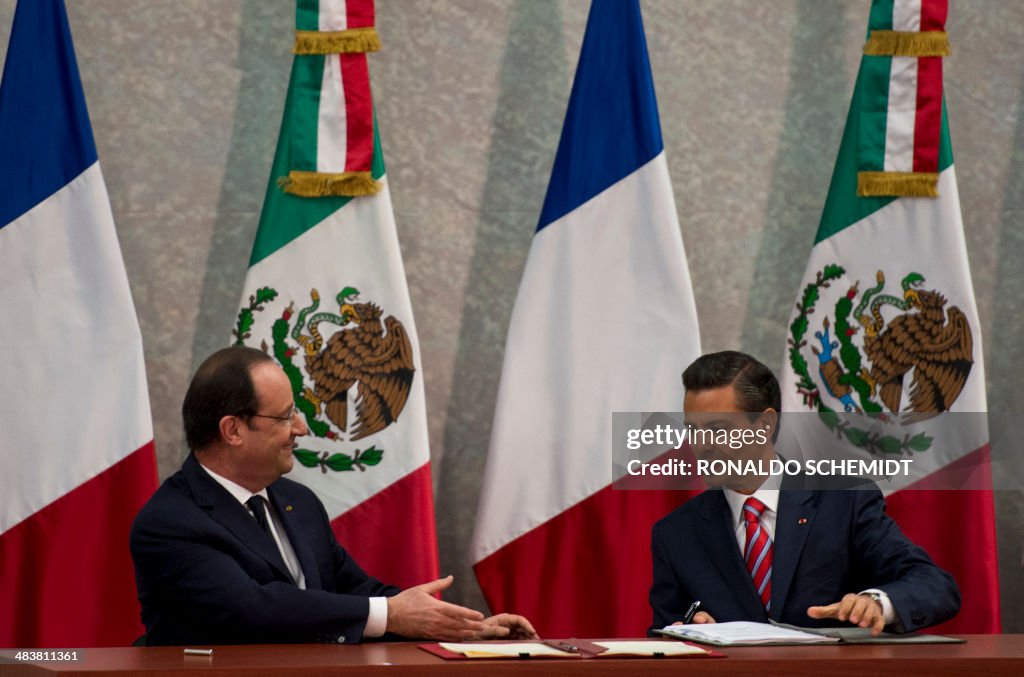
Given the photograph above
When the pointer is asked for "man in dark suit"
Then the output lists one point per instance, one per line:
(750, 551)
(228, 551)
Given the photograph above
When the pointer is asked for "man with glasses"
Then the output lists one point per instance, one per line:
(228, 551)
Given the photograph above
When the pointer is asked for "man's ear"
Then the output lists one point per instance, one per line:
(231, 430)
(770, 421)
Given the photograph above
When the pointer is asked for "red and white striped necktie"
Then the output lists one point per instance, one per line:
(757, 554)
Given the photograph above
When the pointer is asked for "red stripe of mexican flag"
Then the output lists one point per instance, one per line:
(928, 123)
(359, 113)
(933, 15)
(359, 13)
(928, 116)
(865, 247)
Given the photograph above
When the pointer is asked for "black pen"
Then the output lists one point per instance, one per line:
(691, 612)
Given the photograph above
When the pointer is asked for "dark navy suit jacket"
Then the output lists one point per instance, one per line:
(847, 544)
(207, 574)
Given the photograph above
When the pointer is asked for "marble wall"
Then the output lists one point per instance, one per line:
(186, 98)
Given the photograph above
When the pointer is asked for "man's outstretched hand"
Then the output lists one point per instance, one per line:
(507, 626)
(415, 612)
(860, 610)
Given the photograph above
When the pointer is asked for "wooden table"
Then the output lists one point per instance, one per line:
(982, 654)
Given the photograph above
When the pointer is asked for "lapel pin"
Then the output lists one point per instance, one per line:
(288, 508)
(802, 520)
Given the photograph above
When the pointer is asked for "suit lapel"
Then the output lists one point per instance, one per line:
(719, 538)
(223, 507)
(290, 516)
(793, 522)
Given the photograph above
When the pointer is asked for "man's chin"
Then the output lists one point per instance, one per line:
(715, 481)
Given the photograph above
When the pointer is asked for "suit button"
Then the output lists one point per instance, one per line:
(341, 639)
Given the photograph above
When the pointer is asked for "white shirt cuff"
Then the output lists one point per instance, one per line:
(377, 620)
(887, 611)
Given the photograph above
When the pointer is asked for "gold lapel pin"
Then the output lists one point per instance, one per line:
(288, 508)
(802, 520)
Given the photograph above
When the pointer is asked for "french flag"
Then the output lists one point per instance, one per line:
(604, 322)
(76, 451)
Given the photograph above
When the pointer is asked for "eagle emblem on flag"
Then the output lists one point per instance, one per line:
(365, 351)
(902, 357)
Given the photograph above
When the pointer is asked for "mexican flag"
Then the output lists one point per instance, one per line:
(326, 296)
(885, 349)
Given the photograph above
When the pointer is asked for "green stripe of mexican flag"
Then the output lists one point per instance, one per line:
(884, 355)
(292, 215)
(326, 296)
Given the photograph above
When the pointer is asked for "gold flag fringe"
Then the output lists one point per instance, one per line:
(907, 43)
(903, 184)
(337, 42)
(322, 184)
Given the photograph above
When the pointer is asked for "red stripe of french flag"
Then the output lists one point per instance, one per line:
(66, 578)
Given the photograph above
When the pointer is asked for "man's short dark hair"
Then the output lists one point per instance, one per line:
(755, 385)
(222, 386)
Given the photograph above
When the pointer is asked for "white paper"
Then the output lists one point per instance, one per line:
(739, 633)
(647, 648)
(510, 649)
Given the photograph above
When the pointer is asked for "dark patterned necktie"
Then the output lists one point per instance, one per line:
(259, 511)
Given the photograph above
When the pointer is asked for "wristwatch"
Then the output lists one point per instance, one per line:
(875, 596)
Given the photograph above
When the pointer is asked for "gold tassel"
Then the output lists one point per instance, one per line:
(903, 184)
(337, 42)
(907, 43)
(322, 184)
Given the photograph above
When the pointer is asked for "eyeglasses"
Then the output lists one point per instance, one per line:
(290, 418)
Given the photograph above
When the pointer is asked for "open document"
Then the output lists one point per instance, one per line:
(743, 633)
(571, 648)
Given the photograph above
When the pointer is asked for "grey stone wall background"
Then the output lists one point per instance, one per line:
(186, 98)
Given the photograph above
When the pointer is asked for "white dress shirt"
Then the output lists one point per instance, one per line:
(376, 622)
